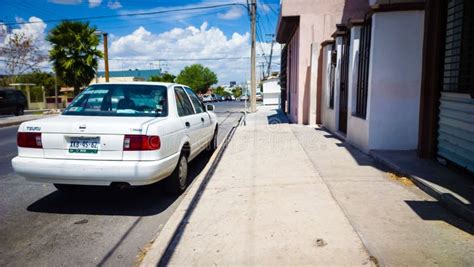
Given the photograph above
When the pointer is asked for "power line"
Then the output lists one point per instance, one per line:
(129, 14)
(182, 59)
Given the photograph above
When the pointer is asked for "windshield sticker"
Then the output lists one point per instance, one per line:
(96, 92)
(126, 111)
(74, 109)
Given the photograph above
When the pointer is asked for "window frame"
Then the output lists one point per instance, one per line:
(362, 89)
(191, 93)
(176, 88)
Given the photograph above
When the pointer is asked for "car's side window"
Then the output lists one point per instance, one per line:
(10, 95)
(196, 102)
(183, 103)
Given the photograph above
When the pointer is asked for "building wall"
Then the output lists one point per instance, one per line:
(317, 22)
(395, 80)
(357, 128)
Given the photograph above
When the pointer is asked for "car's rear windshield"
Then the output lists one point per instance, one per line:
(120, 100)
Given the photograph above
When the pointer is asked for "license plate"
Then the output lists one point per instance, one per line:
(86, 145)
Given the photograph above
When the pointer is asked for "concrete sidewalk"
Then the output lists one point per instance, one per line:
(287, 194)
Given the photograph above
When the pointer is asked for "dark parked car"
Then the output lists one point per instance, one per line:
(12, 101)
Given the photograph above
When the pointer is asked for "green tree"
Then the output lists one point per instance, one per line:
(198, 77)
(219, 90)
(237, 91)
(74, 53)
(40, 79)
(166, 77)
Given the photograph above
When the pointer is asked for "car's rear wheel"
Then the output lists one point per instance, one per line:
(213, 144)
(177, 182)
(19, 111)
(66, 188)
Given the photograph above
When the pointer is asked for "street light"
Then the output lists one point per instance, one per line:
(106, 53)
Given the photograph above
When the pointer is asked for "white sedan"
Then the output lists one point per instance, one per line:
(118, 133)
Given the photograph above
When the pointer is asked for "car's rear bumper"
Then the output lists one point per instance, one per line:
(94, 172)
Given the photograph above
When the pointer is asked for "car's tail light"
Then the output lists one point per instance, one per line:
(30, 140)
(141, 142)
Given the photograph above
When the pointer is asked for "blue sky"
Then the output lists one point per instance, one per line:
(139, 41)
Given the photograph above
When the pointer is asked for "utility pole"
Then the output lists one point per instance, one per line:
(271, 55)
(262, 69)
(253, 84)
(106, 57)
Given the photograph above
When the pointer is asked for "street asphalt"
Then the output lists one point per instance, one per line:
(43, 227)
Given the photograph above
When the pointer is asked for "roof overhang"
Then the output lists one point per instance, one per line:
(286, 27)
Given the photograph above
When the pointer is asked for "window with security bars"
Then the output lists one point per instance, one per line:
(458, 72)
(363, 70)
(332, 74)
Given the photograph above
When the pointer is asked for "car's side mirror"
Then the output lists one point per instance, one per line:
(210, 107)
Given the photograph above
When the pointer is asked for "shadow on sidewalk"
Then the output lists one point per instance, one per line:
(278, 118)
(432, 211)
(429, 170)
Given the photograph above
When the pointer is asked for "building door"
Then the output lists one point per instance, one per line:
(456, 110)
(343, 95)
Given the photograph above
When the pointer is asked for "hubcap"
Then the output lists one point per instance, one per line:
(183, 172)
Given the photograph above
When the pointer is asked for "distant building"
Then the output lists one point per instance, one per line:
(127, 75)
(271, 91)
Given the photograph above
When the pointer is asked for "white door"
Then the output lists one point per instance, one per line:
(189, 119)
(206, 129)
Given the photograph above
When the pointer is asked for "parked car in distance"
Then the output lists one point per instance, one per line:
(216, 97)
(119, 133)
(229, 98)
(259, 96)
(244, 98)
(206, 98)
(12, 101)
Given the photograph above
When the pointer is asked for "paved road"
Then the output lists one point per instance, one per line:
(41, 226)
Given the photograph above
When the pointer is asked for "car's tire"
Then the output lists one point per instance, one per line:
(19, 111)
(213, 143)
(177, 182)
(66, 188)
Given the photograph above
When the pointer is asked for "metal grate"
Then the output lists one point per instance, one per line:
(363, 71)
(459, 45)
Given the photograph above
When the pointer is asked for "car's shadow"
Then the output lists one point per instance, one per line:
(136, 201)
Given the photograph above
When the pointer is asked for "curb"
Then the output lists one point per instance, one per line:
(178, 219)
(447, 200)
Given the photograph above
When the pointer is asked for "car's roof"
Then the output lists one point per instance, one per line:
(140, 83)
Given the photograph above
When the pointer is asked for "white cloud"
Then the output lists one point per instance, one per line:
(94, 3)
(66, 2)
(233, 13)
(35, 30)
(114, 4)
(184, 46)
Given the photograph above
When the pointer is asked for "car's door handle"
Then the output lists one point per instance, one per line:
(202, 119)
(187, 124)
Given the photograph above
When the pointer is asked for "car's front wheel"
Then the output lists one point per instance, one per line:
(177, 182)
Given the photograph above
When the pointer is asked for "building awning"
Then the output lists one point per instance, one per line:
(286, 27)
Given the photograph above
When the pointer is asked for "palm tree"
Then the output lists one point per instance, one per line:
(74, 53)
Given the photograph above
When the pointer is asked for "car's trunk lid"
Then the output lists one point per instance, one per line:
(92, 138)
